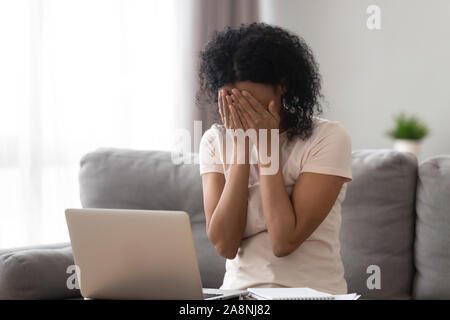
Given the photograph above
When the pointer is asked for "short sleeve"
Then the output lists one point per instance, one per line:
(330, 152)
(209, 155)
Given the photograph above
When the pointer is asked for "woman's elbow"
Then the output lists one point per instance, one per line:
(227, 253)
(283, 249)
(281, 252)
(223, 248)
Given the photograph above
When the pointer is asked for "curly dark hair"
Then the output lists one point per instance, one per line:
(266, 54)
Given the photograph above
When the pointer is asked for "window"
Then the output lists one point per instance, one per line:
(75, 76)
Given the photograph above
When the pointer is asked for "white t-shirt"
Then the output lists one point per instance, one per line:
(316, 263)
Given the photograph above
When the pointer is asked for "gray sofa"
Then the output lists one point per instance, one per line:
(395, 223)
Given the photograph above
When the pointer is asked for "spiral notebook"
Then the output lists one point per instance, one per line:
(288, 294)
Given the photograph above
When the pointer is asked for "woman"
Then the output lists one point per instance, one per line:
(279, 229)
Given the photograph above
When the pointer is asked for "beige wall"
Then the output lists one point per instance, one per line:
(370, 75)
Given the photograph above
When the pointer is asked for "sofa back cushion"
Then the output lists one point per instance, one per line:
(377, 231)
(134, 179)
(432, 245)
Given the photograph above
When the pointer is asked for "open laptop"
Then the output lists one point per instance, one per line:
(137, 254)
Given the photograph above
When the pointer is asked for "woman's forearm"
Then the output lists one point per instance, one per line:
(278, 211)
(228, 221)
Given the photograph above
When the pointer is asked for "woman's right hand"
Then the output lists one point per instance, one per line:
(224, 109)
(232, 120)
(228, 112)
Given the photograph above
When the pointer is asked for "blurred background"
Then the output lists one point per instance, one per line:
(76, 75)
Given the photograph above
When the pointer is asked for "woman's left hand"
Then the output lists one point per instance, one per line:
(253, 114)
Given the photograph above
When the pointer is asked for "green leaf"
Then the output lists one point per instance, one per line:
(410, 128)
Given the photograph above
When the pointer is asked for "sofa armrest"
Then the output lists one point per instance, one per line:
(38, 272)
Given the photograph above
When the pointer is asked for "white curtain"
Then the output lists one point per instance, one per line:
(76, 75)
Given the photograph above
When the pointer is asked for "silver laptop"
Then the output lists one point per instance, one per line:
(137, 254)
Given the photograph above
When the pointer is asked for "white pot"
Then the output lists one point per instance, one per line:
(404, 145)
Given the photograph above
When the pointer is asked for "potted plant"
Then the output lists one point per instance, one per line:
(408, 133)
